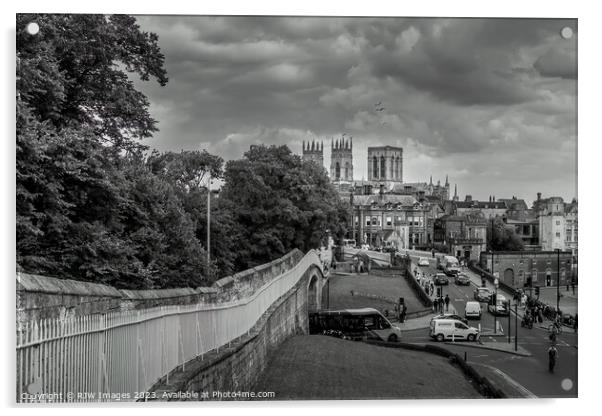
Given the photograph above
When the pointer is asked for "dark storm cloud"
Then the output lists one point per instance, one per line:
(451, 88)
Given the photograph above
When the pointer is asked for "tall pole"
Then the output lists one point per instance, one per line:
(515, 326)
(208, 225)
(557, 280)
(495, 293)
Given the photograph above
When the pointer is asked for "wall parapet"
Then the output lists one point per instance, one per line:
(44, 297)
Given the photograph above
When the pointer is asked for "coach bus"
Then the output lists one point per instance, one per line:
(357, 324)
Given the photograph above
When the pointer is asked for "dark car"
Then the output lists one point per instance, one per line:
(441, 279)
(462, 279)
(482, 294)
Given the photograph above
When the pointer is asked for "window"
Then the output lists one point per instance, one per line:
(389, 221)
(367, 221)
(337, 170)
(374, 167)
(383, 172)
(460, 325)
(356, 220)
(558, 235)
(557, 222)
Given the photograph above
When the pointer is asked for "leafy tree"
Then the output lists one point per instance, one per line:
(503, 238)
(88, 205)
(73, 73)
(280, 202)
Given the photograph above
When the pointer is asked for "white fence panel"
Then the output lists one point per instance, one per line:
(77, 358)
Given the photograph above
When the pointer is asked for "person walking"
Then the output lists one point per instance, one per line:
(441, 303)
(552, 358)
(446, 303)
(404, 310)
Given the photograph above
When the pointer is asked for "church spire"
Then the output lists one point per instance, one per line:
(455, 192)
(446, 181)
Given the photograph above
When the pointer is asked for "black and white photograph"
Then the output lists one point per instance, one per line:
(295, 208)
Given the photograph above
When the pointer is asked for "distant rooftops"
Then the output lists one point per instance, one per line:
(403, 200)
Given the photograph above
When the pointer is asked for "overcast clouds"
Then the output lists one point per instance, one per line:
(492, 103)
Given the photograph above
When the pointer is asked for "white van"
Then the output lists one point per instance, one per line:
(452, 329)
(473, 309)
(445, 262)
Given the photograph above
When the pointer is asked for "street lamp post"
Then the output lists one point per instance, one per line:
(557, 280)
(515, 326)
(495, 297)
(208, 225)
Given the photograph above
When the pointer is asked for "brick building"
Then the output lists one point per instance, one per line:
(515, 268)
(465, 236)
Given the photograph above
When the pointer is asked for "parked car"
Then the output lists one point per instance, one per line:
(441, 279)
(450, 316)
(462, 279)
(473, 309)
(452, 329)
(500, 307)
(482, 294)
(423, 261)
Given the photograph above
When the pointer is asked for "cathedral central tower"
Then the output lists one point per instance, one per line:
(341, 160)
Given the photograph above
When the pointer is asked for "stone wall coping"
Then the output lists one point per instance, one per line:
(157, 293)
(27, 282)
(43, 284)
(207, 290)
(228, 280)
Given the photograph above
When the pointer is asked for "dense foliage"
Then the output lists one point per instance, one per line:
(92, 204)
(503, 238)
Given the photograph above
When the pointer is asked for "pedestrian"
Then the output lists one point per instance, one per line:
(404, 310)
(523, 300)
(552, 358)
(441, 303)
(447, 303)
(540, 314)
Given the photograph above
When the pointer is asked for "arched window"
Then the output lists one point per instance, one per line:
(398, 168)
(375, 167)
(337, 171)
(346, 170)
(383, 172)
(391, 170)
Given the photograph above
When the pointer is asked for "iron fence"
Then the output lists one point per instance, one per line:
(119, 355)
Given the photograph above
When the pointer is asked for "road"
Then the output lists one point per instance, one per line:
(530, 372)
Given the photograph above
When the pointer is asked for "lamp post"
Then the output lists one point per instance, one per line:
(515, 326)
(557, 280)
(208, 226)
(495, 295)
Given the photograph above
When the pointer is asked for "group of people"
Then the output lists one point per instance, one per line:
(440, 302)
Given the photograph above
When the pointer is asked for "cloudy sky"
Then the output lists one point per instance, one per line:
(490, 102)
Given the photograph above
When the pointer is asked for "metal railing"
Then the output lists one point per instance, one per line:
(120, 355)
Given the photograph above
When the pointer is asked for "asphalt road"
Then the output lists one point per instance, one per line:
(530, 372)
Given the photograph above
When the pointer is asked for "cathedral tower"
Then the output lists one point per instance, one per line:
(314, 151)
(341, 160)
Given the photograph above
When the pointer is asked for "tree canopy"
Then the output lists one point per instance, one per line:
(93, 204)
(503, 238)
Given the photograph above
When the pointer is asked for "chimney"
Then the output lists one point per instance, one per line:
(539, 196)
